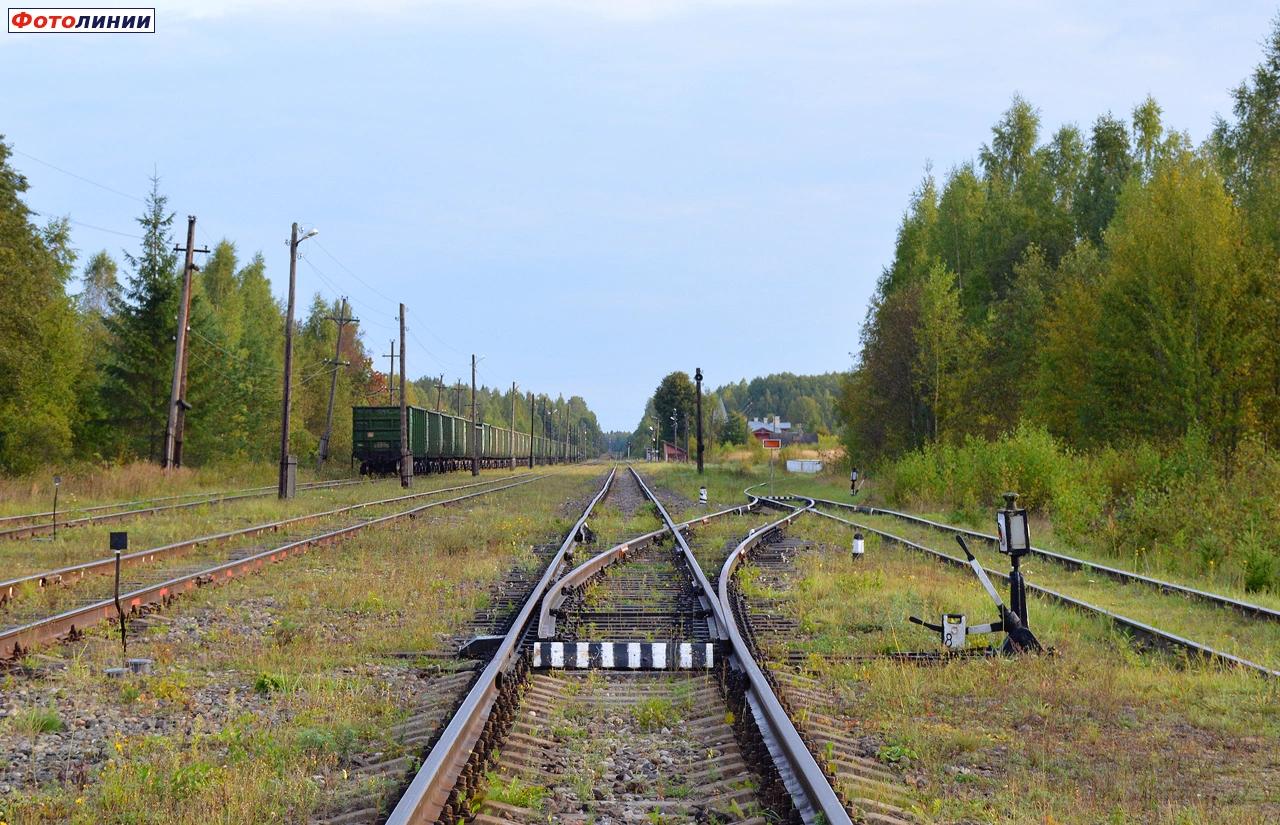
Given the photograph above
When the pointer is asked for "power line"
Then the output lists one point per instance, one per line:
(79, 177)
(346, 269)
(336, 288)
(70, 219)
(381, 295)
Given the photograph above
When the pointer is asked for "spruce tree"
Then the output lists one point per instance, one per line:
(139, 370)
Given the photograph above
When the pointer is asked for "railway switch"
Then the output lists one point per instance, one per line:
(955, 630)
(1018, 637)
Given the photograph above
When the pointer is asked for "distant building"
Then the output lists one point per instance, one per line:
(775, 427)
(671, 452)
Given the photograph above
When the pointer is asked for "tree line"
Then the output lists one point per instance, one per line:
(86, 376)
(1109, 285)
(808, 401)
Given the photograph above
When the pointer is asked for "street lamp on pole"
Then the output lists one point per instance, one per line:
(288, 465)
(675, 428)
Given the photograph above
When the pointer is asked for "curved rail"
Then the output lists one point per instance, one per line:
(107, 564)
(1153, 634)
(427, 795)
(809, 786)
(29, 530)
(555, 597)
(14, 641)
(1250, 609)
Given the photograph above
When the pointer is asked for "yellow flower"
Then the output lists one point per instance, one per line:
(119, 746)
(79, 800)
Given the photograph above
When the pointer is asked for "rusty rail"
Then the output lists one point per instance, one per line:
(9, 588)
(17, 640)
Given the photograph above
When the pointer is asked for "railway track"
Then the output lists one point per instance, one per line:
(828, 724)
(622, 691)
(1249, 609)
(1144, 632)
(16, 529)
(158, 584)
(29, 583)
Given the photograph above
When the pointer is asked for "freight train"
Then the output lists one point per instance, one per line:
(441, 442)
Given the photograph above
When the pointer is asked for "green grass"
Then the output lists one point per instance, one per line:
(80, 544)
(1253, 639)
(1095, 732)
(87, 485)
(35, 721)
(515, 791)
(342, 695)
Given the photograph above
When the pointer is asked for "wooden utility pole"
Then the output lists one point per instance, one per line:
(697, 375)
(342, 320)
(286, 486)
(439, 391)
(475, 426)
(406, 449)
(178, 391)
(530, 430)
(391, 371)
(513, 425)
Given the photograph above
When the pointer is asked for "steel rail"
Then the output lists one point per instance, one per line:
(815, 799)
(556, 596)
(107, 564)
(1155, 635)
(429, 791)
(1250, 609)
(691, 561)
(15, 641)
(30, 530)
(308, 485)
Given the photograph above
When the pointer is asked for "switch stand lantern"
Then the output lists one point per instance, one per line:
(1015, 542)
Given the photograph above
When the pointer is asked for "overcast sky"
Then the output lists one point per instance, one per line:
(587, 194)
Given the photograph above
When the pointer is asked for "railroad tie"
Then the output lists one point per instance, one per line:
(624, 655)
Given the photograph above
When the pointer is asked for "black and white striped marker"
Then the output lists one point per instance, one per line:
(624, 655)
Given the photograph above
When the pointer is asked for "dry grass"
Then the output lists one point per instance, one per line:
(86, 485)
(1095, 733)
(297, 655)
(79, 544)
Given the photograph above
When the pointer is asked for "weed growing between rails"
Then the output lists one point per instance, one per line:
(1096, 732)
(266, 691)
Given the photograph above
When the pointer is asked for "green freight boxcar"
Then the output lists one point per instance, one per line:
(375, 437)
(440, 442)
